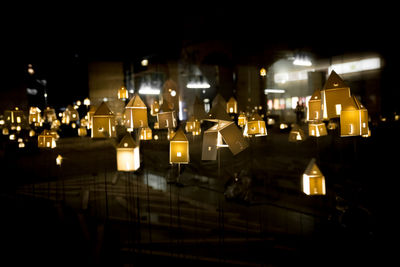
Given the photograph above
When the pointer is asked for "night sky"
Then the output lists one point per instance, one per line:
(60, 41)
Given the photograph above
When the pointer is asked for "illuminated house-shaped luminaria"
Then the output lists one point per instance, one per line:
(46, 139)
(179, 148)
(314, 111)
(296, 134)
(146, 133)
(354, 119)
(335, 95)
(103, 122)
(193, 126)
(313, 180)
(135, 113)
(123, 93)
(72, 113)
(167, 117)
(317, 129)
(49, 114)
(255, 126)
(242, 120)
(222, 134)
(90, 114)
(231, 106)
(128, 155)
(34, 116)
(155, 108)
(14, 117)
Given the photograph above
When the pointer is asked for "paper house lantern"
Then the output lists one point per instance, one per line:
(179, 148)
(128, 155)
(135, 113)
(314, 111)
(146, 133)
(123, 93)
(103, 122)
(354, 119)
(46, 139)
(166, 118)
(49, 114)
(222, 134)
(313, 180)
(14, 117)
(82, 131)
(242, 120)
(193, 126)
(218, 113)
(218, 99)
(334, 96)
(296, 134)
(72, 113)
(317, 129)
(155, 108)
(34, 116)
(255, 126)
(89, 115)
(231, 106)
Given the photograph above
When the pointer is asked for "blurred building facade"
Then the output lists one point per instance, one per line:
(204, 69)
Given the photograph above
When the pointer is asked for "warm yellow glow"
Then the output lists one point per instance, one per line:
(179, 154)
(123, 93)
(128, 159)
(21, 145)
(32, 133)
(18, 119)
(283, 126)
(338, 109)
(314, 184)
(18, 128)
(86, 101)
(5, 131)
(263, 72)
(59, 160)
(2, 122)
(12, 136)
(73, 125)
(78, 103)
(155, 137)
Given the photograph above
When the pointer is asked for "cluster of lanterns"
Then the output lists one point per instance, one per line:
(333, 102)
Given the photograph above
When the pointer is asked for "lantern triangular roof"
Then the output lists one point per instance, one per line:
(136, 102)
(218, 112)
(198, 109)
(334, 81)
(232, 100)
(316, 95)
(312, 168)
(103, 110)
(218, 99)
(179, 136)
(255, 117)
(127, 142)
(218, 126)
(353, 104)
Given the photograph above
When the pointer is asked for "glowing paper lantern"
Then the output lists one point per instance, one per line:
(255, 126)
(231, 106)
(334, 96)
(317, 129)
(167, 117)
(34, 116)
(72, 113)
(82, 131)
(296, 134)
(128, 155)
(146, 134)
(155, 108)
(179, 148)
(49, 114)
(313, 180)
(193, 126)
(242, 120)
(314, 111)
(123, 93)
(353, 119)
(59, 160)
(103, 122)
(222, 134)
(46, 139)
(89, 115)
(136, 113)
(14, 117)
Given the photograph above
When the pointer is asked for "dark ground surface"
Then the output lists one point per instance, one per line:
(44, 221)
